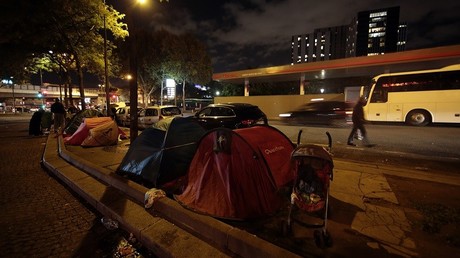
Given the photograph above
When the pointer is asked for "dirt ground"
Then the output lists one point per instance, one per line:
(433, 210)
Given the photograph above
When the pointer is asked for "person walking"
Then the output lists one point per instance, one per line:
(358, 124)
(59, 112)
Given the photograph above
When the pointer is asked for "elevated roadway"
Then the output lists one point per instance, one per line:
(363, 66)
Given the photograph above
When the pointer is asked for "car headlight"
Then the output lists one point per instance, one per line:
(285, 115)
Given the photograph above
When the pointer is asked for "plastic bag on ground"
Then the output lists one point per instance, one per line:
(109, 224)
(151, 196)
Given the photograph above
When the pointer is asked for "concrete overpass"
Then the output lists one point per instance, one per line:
(364, 66)
(14, 95)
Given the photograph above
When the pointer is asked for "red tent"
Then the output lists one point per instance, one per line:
(237, 174)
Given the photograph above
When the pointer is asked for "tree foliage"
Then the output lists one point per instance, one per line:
(61, 29)
(162, 55)
(66, 36)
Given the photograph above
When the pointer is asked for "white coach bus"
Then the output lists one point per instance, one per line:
(416, 97)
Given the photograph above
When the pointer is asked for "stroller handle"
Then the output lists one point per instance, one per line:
(329, 138)
(298, 136)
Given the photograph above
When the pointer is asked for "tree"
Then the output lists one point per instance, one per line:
(66, 27)
(194, 62)
(77, 28)
(179, 57)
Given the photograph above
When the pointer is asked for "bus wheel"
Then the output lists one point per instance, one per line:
(418, 117)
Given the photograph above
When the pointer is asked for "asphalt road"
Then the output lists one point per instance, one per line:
(426, 148)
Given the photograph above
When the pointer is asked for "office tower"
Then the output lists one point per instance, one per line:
(370, 33)
(377, 31)
(322, 44)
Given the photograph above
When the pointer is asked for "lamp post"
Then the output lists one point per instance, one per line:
(133, 130)
(14, 98)
(106, 73)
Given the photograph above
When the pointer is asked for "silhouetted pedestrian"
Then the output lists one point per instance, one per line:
(59, 112)
(358, 123)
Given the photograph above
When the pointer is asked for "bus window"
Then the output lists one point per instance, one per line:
(412, 82)
(380, 94)
(449, 80)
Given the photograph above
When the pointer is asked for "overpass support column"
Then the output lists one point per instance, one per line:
(246, 87)
(302, 84)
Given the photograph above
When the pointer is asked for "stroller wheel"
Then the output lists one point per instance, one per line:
(322, 239)
(319, 239)
(327, 239)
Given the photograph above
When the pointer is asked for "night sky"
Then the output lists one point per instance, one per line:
(253, 34)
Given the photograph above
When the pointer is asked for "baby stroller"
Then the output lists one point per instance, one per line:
(312, 166)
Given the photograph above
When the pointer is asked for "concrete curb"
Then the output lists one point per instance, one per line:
(195, 234)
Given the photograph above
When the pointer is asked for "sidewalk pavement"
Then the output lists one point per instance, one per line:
(170, 230)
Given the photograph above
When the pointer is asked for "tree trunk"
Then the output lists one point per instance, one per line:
(64, 78)
(69, 83)
(80, 85)
(161, 92)
(183, 96)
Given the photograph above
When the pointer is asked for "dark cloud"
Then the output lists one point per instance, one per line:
(257, 33)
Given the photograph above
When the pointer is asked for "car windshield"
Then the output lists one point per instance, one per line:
(170, 111)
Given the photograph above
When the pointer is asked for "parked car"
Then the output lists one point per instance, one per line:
(334, 113)
(22, 110)
(150, 115)
(123, 115)
(230, 115)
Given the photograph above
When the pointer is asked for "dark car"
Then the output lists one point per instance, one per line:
(334, 113)
(230, 115)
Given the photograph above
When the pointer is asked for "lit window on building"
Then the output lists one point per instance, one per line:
(377, 34)
(377, 14)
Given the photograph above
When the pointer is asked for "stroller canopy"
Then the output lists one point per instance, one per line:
(237, 174)
(158, 157)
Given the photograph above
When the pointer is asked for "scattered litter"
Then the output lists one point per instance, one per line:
(151, 196)
(125, 249)
(109, 224)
